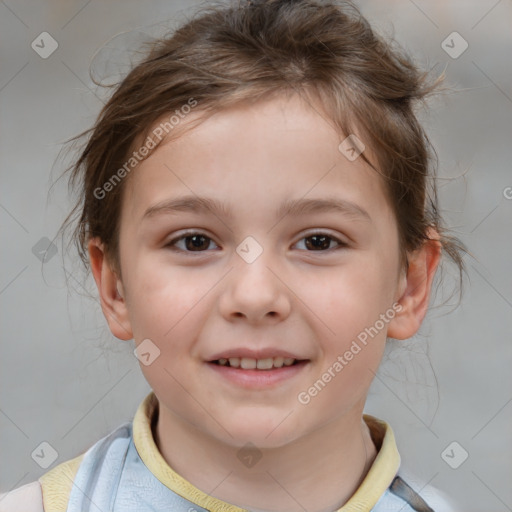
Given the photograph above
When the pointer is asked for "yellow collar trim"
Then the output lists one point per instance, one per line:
(377, 480)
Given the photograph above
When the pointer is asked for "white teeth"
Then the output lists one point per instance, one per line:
(248, 363)
(264, 364)
(234, 361)
(278, 362)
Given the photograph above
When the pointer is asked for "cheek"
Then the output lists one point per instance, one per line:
(163, 299)
(164, 308)
(345, 378)
(357, 314)
(356, 306)
(352, 297)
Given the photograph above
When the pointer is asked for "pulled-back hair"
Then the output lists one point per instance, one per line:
(226, 54)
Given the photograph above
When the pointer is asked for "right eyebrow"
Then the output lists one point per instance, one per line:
(196, 204)
(188, 203)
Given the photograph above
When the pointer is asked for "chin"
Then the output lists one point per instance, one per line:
(264, 432)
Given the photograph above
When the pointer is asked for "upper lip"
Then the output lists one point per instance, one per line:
(264, 353)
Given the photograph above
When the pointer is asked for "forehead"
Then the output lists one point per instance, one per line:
(285, 144)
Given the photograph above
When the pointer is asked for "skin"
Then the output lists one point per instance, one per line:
(312, 303)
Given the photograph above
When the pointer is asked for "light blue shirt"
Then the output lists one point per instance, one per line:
(113, 478)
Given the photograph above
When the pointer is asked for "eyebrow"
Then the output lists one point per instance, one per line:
(199, 204)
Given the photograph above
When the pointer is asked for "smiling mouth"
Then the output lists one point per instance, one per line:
(248, 363)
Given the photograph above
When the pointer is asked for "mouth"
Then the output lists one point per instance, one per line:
(258, 374)
(249, 363)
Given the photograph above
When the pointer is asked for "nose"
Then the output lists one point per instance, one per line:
(255, 293)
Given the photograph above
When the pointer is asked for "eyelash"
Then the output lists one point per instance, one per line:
(172, 243)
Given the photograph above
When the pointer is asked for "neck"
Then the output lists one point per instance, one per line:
(338, 455)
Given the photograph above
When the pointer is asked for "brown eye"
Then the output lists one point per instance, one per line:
(192, 242)
(196, 242)
(321, 242)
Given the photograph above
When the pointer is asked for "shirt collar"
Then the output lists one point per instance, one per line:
(377, 480)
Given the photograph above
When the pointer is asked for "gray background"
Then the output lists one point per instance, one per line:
(66, 381)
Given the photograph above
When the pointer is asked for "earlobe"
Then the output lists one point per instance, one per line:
(415, 288)
(111, 292)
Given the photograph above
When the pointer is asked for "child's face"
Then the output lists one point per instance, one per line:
(197, 306)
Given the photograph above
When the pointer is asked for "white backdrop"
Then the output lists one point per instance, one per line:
(67, 382)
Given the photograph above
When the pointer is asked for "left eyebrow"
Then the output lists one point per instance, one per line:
(197, 204)
(322, 205)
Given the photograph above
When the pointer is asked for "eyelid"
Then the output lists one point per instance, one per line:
(323, 231)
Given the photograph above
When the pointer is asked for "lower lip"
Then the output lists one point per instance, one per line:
(258, 378)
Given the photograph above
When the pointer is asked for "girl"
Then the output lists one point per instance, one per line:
(256, 213)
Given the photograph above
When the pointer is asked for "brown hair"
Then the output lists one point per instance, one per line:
(227, 54)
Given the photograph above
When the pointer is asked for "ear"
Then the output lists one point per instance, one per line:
(111, 292)
(414, 289)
